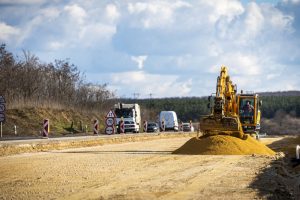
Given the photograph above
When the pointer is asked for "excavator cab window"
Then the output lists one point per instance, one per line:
(246, 110)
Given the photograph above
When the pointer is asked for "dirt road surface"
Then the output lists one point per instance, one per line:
(137, 170)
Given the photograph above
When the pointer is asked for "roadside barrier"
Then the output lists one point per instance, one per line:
(96, 125)
(122, 126)
(46, 128)
(163, 127)
(145, 126)
(15, 130)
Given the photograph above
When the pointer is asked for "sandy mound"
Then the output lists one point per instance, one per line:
(223, 145)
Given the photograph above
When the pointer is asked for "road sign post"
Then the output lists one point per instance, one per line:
(110, 123)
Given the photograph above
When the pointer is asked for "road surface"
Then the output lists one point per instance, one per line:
(137, 170)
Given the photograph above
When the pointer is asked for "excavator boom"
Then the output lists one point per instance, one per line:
(223, 119)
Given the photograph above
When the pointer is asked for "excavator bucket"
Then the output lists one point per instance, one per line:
(209, 125)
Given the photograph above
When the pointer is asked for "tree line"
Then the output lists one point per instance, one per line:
(192, 108)
(29, 81)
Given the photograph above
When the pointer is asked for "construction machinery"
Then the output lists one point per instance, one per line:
(231, 113)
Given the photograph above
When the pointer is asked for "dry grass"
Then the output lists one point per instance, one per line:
(62, 121)
(285, 125)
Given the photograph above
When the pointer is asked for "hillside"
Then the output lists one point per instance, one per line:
(29, 121)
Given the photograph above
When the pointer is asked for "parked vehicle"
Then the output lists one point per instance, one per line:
(131, 115)
(187, 127)
(169, 118)
(152, 127)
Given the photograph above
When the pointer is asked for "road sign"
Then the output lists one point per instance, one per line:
(2, 107)
(46, 128)
(109, 121)
(110, 114)
(2, 117)
(2, 100)
(109, 130)
(96, 126)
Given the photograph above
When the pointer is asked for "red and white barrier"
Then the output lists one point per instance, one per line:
(163, 127)
(96, 126)
(122, 126)
(145, 126)
(46, 128)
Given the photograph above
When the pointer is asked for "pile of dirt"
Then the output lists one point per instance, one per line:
(223, 145)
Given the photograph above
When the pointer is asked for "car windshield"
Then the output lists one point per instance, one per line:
(125, 112)
(152, 124)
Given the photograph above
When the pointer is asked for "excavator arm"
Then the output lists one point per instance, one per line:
(223, 119)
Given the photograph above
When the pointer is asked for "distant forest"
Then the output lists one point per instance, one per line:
(30, 82)
(192, 108)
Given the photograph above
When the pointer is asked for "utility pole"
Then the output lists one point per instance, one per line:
(136, 95)
(151, 103)
(150, 95)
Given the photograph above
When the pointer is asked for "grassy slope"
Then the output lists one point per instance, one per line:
(29, 121)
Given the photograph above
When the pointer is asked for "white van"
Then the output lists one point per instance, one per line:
(170, 120)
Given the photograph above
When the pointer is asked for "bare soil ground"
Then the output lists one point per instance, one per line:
(144, 170)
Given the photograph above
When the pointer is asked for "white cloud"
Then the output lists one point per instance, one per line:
(291, 1)
(112, 12)
(272, 76)
(155, 14)
(145, 83)
(76, 12)
(277, 19)
(92, 34)
(227, 8)
(7, 32)
(254, 21)
(55, 45)
(50, 12)
(22, 1)
(139, 60)
(187, 41)
(238, 64)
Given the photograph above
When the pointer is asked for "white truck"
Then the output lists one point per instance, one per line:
(170, 120)
(131, 115)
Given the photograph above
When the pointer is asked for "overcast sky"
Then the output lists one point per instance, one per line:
(167, 48)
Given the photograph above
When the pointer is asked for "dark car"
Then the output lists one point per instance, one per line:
(187, 127)
(152, 127)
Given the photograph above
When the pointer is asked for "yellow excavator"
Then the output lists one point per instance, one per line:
(231, 113)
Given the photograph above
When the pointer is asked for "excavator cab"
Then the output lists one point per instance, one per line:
(249, 112)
